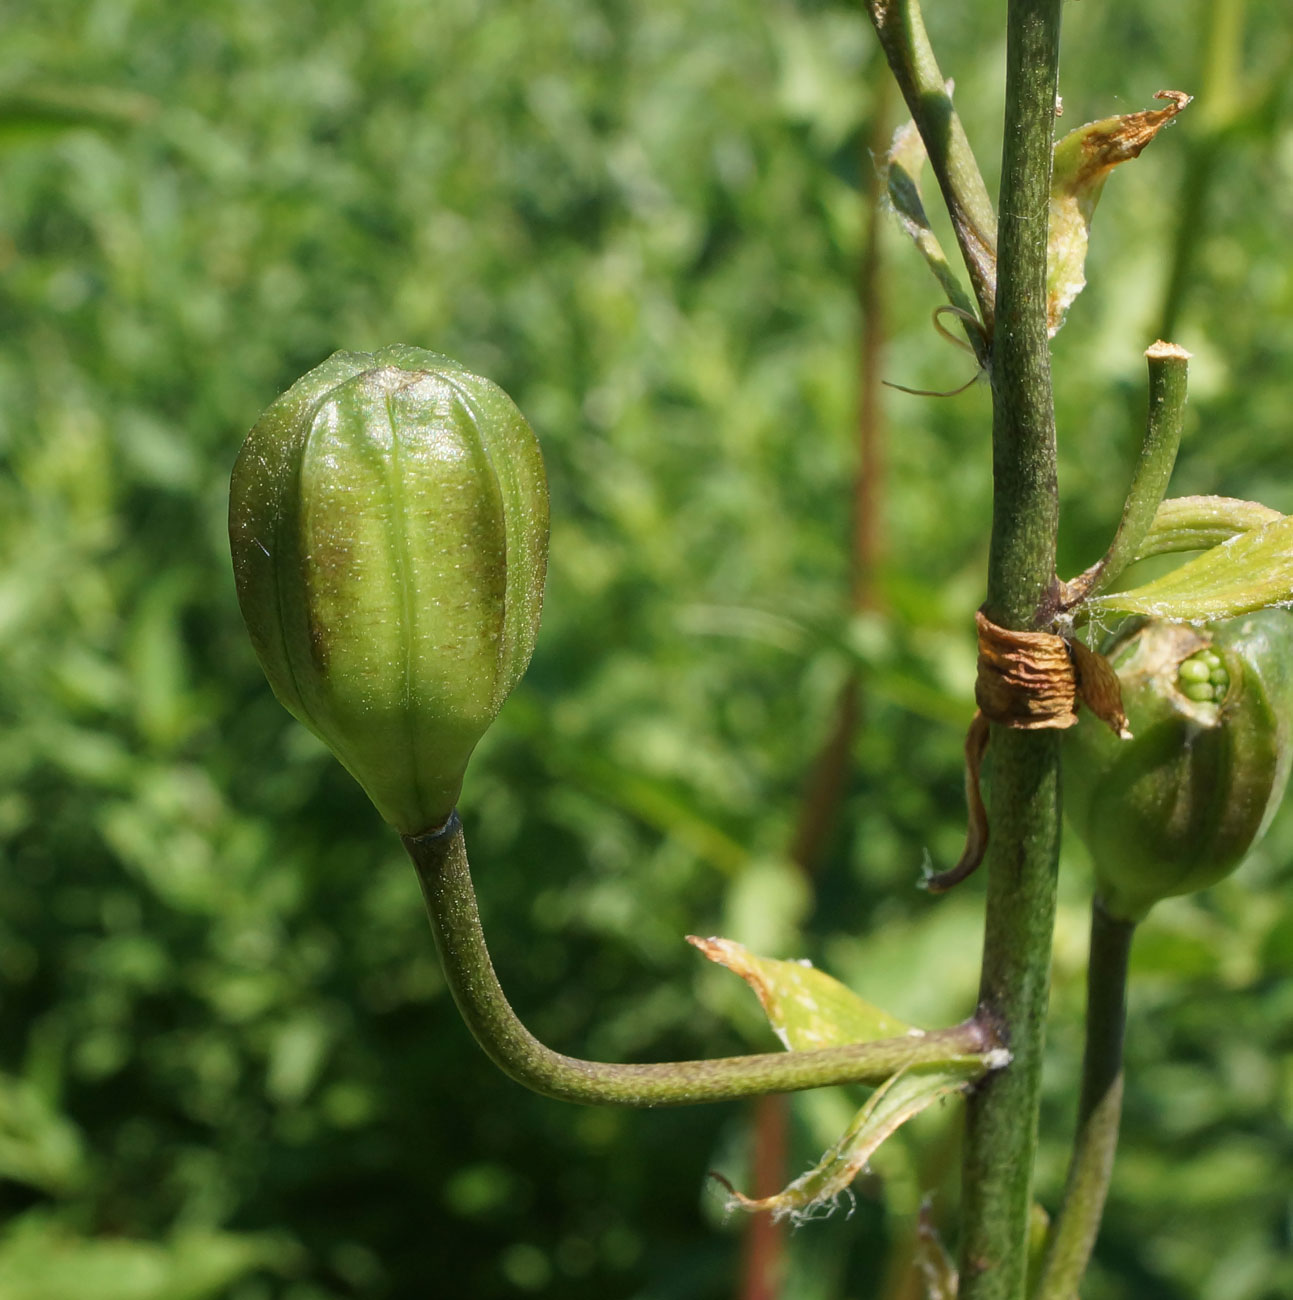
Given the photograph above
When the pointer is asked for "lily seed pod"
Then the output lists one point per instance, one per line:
(389, 525)
(1179, 806)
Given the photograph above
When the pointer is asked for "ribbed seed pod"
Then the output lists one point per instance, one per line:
(388, 520)
(1179, 806)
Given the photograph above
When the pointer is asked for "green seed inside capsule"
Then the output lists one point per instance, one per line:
(1203, 678)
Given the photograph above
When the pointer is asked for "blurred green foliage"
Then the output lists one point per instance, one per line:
(228, 1065)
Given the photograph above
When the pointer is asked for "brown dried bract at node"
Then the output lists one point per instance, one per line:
(1028, 681)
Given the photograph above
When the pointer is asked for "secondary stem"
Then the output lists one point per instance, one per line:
(441, 862)
(1001, 1116)
(901, 30)
(1073, 1236)
(1168, 372)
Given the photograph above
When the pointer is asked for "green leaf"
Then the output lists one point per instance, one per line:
(1251, 571)
(1083, 160)
(890, 1106)
(1197, 523)
(806, 1007)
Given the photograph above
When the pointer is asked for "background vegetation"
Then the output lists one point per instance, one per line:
(228, 1067)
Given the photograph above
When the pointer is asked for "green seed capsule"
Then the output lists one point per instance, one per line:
(1178, 807)
(389, 521)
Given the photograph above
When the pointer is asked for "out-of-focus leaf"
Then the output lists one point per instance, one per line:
(165, 707)
(1039, 1223)
(35, 110)
(40, 1260)
(38, 1146)
(1251, 571)
(767, 904)
(937, 1268)
(296, 1059)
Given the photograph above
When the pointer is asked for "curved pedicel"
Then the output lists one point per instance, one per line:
(441, 861)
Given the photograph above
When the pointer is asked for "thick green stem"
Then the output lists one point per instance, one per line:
(1001, 1116)
(1073, 1235)
(1168, 374)
(441, 862)
(901, 30)
(1025, 515)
